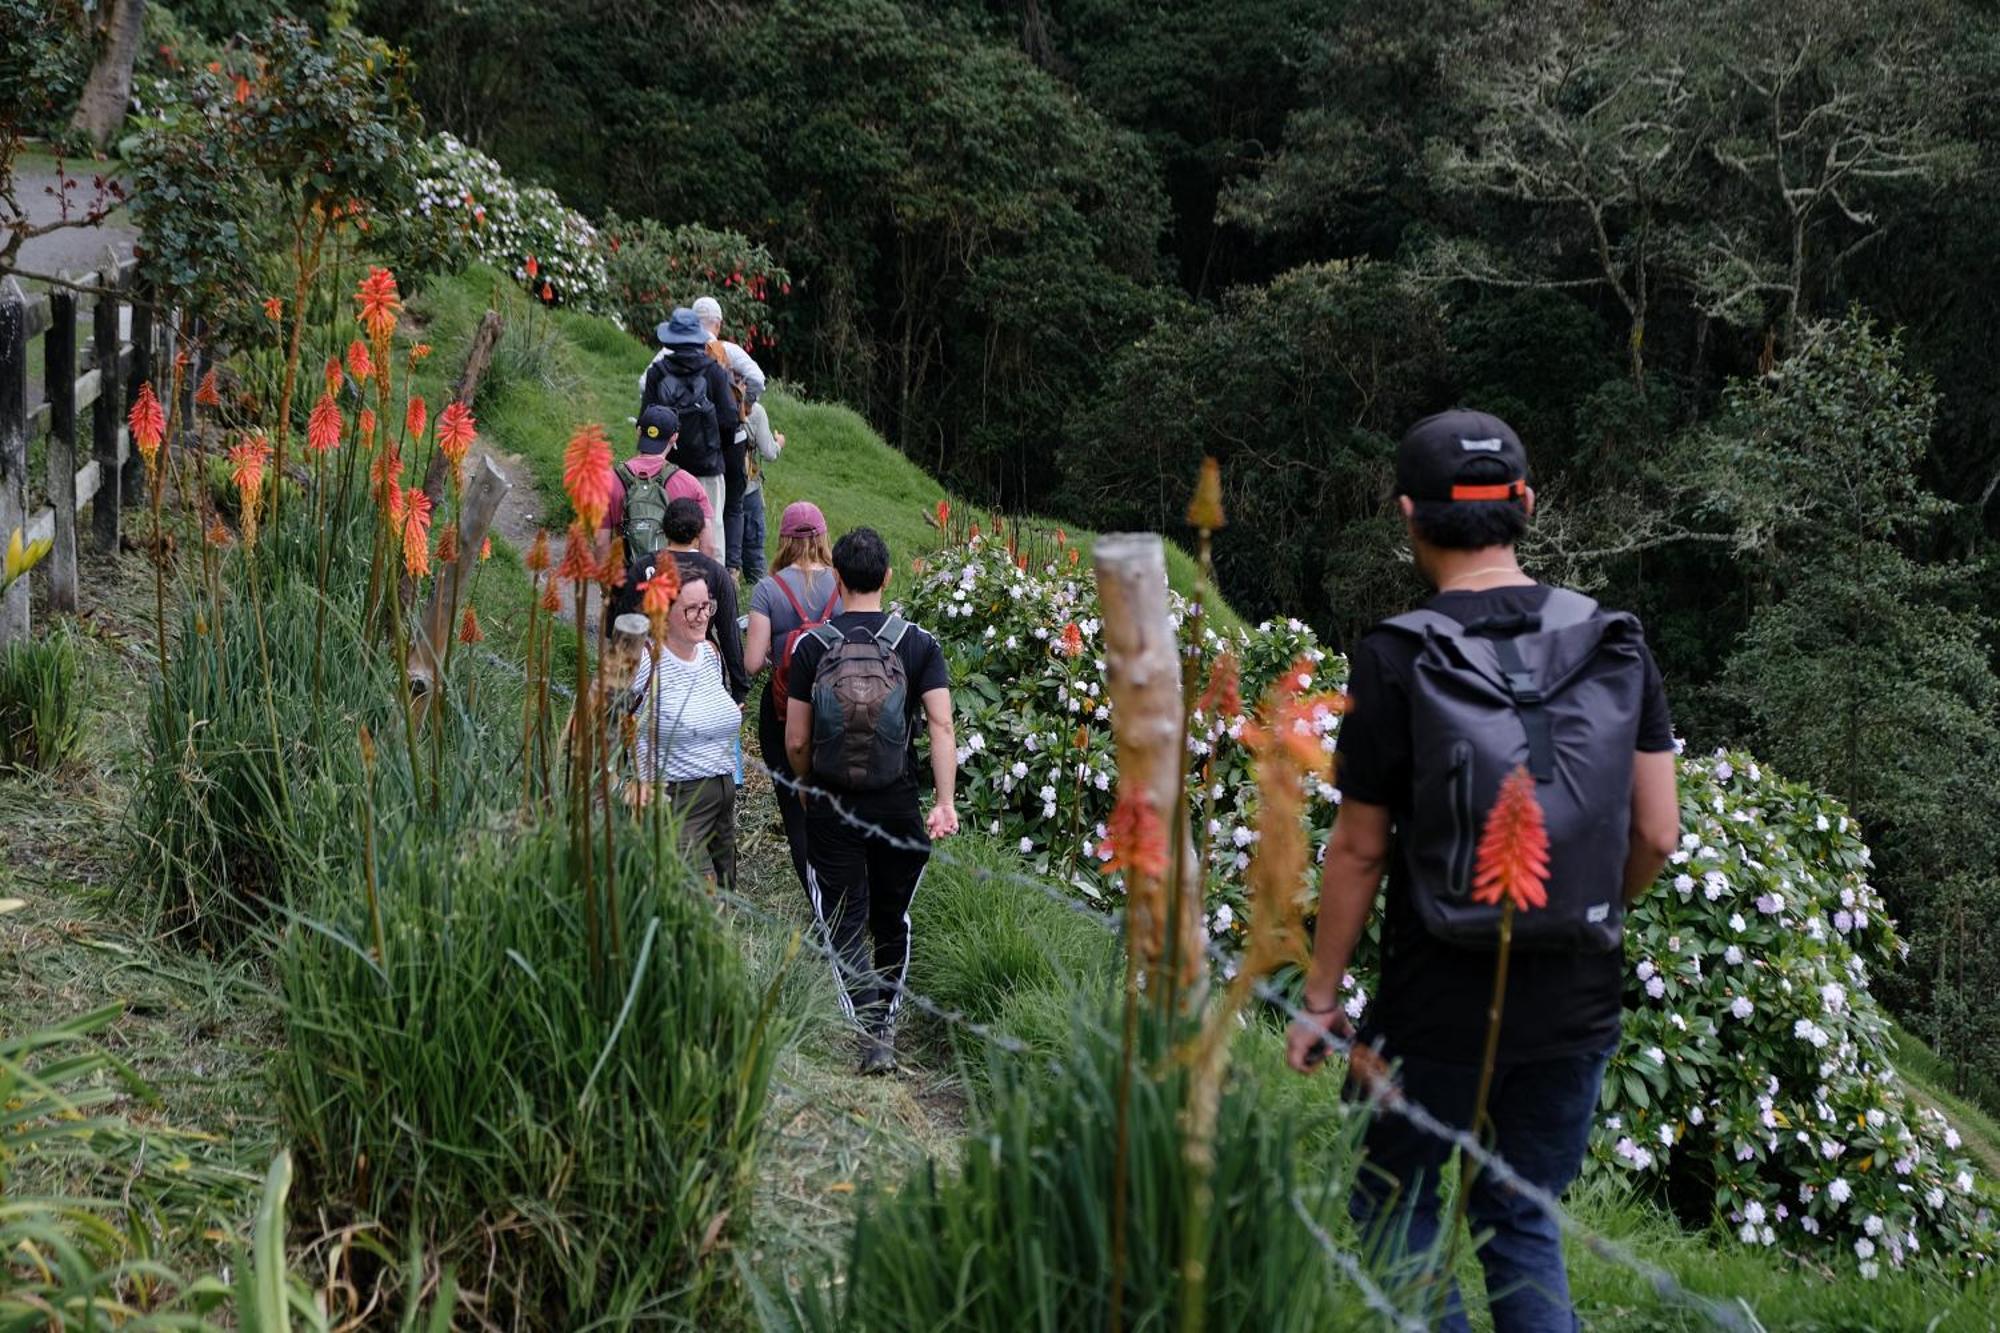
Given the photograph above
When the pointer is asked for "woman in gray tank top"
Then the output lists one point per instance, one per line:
(798, 593)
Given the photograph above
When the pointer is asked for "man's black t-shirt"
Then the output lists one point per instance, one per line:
(1432, 997)
(923, 668)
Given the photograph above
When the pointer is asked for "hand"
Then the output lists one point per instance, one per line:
(1305, 1045)
(780, 438)
(942, 820)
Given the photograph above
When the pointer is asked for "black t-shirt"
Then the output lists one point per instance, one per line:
(1432, 996)
(923, 668)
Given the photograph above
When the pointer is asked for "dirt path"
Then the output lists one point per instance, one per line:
(522, 514)
(77, 249)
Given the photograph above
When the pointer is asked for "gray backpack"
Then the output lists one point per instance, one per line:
(861, 709)
(1559, 691)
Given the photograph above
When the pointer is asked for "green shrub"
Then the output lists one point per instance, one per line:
(1019, 1235)
(41, 703)
(592, 1144)
(654, 267)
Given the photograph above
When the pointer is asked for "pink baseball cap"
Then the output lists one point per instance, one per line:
(802, 519)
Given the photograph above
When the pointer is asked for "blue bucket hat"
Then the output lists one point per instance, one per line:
(682, 329)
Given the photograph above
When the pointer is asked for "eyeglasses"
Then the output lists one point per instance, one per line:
(698, 611)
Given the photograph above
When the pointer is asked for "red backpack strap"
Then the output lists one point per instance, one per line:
(790, 596)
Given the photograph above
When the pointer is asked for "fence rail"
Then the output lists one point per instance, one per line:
(126, 341)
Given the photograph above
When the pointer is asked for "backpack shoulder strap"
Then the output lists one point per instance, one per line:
(892, 632)
(624, 474)
(667, 473)
(792, 597)
(829, 638)
(832, 600)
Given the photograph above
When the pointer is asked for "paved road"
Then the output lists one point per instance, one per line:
(74, 248)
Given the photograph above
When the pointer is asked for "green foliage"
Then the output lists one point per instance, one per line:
(1300, 389)
(591, 1152)
(47, 60)
(654, 268)
(42, 692)
(1019, 1234)
(1957, 933)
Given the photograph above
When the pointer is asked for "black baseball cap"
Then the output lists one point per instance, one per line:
(1461, 455)
(658, 425)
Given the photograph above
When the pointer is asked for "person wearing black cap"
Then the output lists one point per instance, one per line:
(1408, 768)
(658, 456)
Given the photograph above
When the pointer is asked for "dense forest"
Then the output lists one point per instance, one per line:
(1723, 264)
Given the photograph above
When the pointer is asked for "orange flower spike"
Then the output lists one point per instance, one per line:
(218, 532)
(416, 418)
(468, 628)
(447, 552)
(486, 549)
(578, 565)
(323, 426)
(1075, 556)
(366, 422)
(551, 598)
(1137, 841)
(537, 558)
(656, 594)
(359, 363)
(416, 525)
(455, 428)
(148, 422)
(1513, 861)
(1205, 508)
(274, 309)
(378, 303)
(587, 474)
(1021, 562)
(943, 512)
(418, 352)
(533, 267)
(1062, 538)
(1072, 640)
(1223, 697)
(332, 374)
(208, 393)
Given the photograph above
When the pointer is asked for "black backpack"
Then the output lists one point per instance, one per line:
(861, 709)
(699, 449)
(1559, 690)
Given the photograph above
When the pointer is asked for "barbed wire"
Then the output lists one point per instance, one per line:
(1372, 1295)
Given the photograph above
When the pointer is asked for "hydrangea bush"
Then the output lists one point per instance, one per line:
(464, 209)
(1755, 1065)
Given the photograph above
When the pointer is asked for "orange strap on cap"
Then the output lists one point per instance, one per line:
(1512, 490)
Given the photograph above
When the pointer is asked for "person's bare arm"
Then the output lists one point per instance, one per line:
(757, 643)
(1356, 855)
(798, 735)
(1656, 820)
(943, 818)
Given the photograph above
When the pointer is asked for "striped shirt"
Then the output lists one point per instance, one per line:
(688, 725)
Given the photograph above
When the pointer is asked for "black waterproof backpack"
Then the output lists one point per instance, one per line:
(861, 708)
(699, 449)
(1560, 691)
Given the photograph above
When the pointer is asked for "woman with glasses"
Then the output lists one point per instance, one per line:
(687, 729)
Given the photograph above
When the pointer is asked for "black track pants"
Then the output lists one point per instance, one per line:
(861, 886)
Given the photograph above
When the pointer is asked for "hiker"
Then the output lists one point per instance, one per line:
(798, 595)
(684, 377)
(857, 686)
(651, 480)
(1495, 671)
(682, 529)
(748, 378)
(687, 731)
(765, 448)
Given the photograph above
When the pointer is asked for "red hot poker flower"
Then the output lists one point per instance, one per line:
(148, 422)
(943, 512)
(534, 269)
(416, 418)
(332, 374)
(1072, 640)
(537, 558)
(486, 549)
(416, 526)
(359, 363)
(447, 552)
(323, 426)
(656, 594)
(1137, 841)
(1223, 698)
(208, 393)
(577, 563)
(468, 628)
(1513, 862)
(587, 474)
(551, 598)
(378, 303)
(274, 309)
(455, 428)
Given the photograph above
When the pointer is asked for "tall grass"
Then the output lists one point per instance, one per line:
(589, 1149)
(41, 702)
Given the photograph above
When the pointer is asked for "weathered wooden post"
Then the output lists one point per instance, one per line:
(427, 649)
(1143, 675)
(13, 449)
(59, 375)
(105, 412)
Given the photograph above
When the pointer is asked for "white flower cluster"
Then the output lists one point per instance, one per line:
(468, 210)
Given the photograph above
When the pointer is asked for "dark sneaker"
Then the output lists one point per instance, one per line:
(878, 1056)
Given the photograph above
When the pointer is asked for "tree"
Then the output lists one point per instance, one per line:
(105, 94)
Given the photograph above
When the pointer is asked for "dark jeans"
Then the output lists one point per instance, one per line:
(753, 536)
(771, 740)
(1541, 1113)
(861, 887)
(734, 479)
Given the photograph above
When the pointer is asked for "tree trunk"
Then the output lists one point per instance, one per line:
(102, 109)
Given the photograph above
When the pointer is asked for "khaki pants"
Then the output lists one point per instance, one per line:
(705, 825)
(713, 488)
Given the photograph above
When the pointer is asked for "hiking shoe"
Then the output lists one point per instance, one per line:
(878, 1056)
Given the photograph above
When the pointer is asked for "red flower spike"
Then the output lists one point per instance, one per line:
(455, 429)
(486, 549)
(656, 594)
(468, 628)
(447, 552)
(537, 558)
(379, 303)
(943, 512)
(208, 393)
(587, 474)
(1223, 698)
(366, 423)
(551, 598)
(148, 423)
(416, 418)
(323, 426)
(274, 309)
(1072, 640)
(332, 374)
(577, 563)
(359, 363)
(1137, 841)
(1513, 861)
(416, 527)
(534, 269)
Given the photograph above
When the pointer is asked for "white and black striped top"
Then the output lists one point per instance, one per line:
(687, 726)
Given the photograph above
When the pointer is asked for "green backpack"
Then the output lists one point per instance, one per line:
(645, 508)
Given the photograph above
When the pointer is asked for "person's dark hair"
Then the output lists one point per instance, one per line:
(861, 558)
(683, 521)
(1471, 525)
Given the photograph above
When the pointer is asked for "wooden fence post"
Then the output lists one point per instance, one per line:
(134, 478)
(59, 374)
(13, 449)
(106, 412)
(483, 494)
